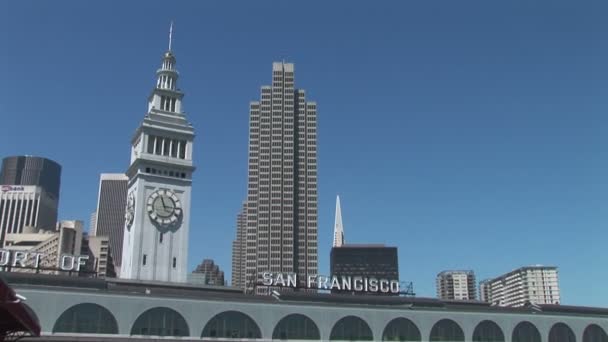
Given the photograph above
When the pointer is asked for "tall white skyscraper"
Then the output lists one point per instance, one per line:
(281, 201)
(155, 245)
(110, 214)
(338, 228)
(529, 284)
(456, 285)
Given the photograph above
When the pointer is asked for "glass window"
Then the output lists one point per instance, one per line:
(488, 331)
(87, 318)
(560, 332)
(231, 324)
(446, 330)
(351, 328)
(296, 327)
(401, 329)
(525, 332)
(160, 322)
(594, 333)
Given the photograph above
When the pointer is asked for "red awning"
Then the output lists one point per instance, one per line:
(15, 317)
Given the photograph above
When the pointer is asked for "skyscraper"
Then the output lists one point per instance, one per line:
(110, 213)
(211, 273)
(155, 245)
(456, 285)
(282, 182)
(238, 249)
(29, 194)
(338, 228)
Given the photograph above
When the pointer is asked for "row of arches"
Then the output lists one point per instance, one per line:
(161, 321)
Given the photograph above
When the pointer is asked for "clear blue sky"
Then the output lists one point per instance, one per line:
(470, 134)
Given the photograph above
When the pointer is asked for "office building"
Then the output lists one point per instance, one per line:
(456, 285)
(49, 245)
(238, 250)
(100, 263)
(338, 228)
(368, 261)
(110, 214)
(212, 273)
(282, 182)
(29, 194)
(529, 284)
(155, 245)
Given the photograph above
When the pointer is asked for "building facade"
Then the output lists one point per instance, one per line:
(456, 285)
(238, 250)
(45, 248)
(368, 261)
(530, 284)
(484, 291)
(282, 182)
(98, 249)
(212, 273)
(29, 194)
(76, 309)
(155, 245)
(110, 214)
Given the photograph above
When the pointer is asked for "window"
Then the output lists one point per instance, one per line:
(446, 330)
(560, 332)
(525, 332)
(351, 328)
(161, 239)
(174, 262)
(232, 324)
(593, 333)
(86, 318)
(160, 322)
(401, 329)
(488, 331)
(144, 260)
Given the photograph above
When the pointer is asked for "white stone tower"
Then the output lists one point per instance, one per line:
(157, 217)
(338, 228)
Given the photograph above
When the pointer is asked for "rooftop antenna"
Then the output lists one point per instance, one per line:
(170, 34)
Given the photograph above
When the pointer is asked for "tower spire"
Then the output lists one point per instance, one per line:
(170, 35)
(338, 228)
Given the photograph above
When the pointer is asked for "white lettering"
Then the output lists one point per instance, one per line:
(322, 282)
(266, 278)
(358, 283)
(5, 257)
(19, 257)
(384, 285)
(82, 260)
(312, 279)
(279, 280)
(394, 286)
(373, 285)
(346, 283)
(38, 257)
(292, 280)
(335, 284)
(70, 260)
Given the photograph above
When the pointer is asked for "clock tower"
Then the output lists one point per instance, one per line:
(157, 222)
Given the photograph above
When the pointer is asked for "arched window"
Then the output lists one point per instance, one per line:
(560, 332)
(488, 331)
(351, 328)
(160, 322)
(401, 329)
(86, 318)
(525, 332)
(296, 327)
(231, 324)
(446, 330)
(594, 333)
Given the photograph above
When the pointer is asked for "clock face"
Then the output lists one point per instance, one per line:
(164, 208)
(130, 210)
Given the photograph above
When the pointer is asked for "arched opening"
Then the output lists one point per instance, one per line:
(446, 330)
(86, 318)
(594, 333)
(296, 327)
(560, 332)
(525, 332)
(351, 328)
(401, 329)
(488, 331)
(160, 322)
(231, 324)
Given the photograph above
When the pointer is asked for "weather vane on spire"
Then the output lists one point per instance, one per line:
(170, 34)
